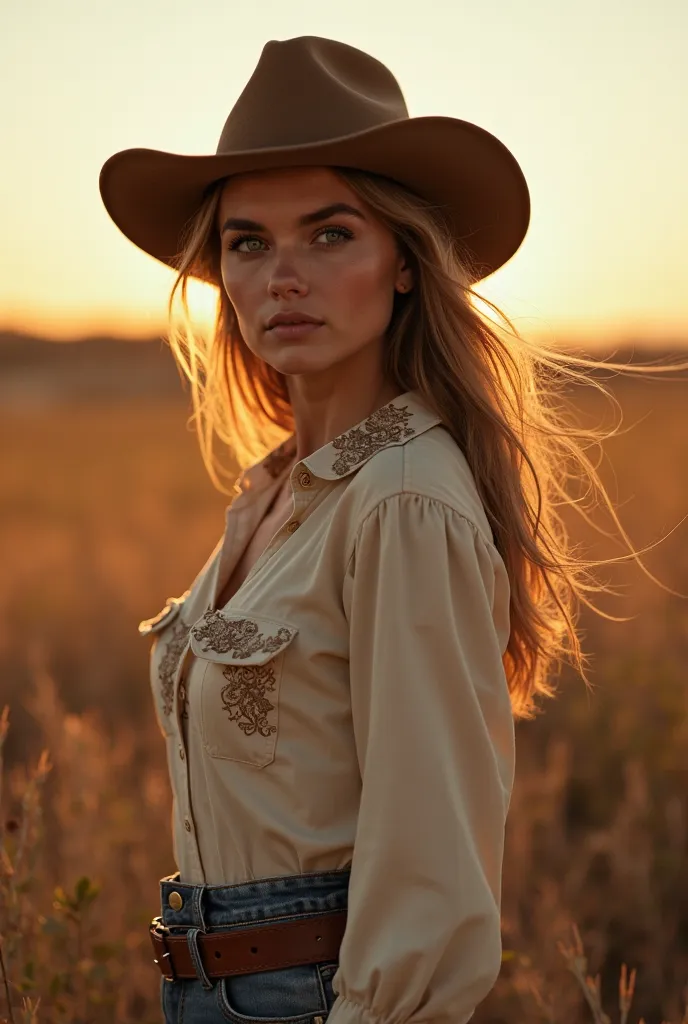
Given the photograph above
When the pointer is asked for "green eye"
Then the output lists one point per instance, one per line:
(253, 245)
(244, 238)
(341, 232)
(339, 235)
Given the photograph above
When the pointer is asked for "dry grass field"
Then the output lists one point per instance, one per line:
(106, 511)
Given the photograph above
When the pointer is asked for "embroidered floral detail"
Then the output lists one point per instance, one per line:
(276, 461)
(386, 425)
(244, 697)
(183, 700)
(240, 637)
(169, 661)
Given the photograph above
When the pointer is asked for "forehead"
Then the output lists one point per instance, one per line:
(284, 191)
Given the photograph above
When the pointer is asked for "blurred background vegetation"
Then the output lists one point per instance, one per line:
(106, 510)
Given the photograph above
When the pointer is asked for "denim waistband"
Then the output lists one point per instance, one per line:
(211, 907)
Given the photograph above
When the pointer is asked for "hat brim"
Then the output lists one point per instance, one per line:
(151, 194)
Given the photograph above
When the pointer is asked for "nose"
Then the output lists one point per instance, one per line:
(286, 281)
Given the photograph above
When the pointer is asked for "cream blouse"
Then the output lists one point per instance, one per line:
(349, 707)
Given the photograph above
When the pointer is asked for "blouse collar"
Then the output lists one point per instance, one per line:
(395, 423)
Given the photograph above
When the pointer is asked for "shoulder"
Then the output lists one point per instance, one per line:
(431, 466)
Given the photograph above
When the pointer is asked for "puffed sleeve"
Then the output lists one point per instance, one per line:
(427, 598)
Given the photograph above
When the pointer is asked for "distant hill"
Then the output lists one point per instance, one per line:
(37, 371)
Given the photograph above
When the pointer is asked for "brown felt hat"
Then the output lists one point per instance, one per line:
(311, 102)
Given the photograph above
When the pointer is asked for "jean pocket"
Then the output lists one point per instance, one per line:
(170, 994)
(288, 995)
(239, 698)
(327, 972)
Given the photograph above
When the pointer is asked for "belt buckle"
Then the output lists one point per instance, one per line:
(161, 931)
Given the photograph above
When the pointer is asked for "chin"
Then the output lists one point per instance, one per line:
(301, 359)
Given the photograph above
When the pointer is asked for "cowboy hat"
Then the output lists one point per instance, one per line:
(313, 101)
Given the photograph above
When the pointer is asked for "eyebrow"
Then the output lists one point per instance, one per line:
(241, 224)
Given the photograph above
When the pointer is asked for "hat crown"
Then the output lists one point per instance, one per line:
(301, 87)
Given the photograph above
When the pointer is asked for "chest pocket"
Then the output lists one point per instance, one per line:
(170, 637)
(239, 692)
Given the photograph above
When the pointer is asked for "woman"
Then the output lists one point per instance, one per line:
(338, 687)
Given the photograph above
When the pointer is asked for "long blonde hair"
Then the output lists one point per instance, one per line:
(497, 393)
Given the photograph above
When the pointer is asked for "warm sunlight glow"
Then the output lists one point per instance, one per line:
(202, 303)
(602, 143)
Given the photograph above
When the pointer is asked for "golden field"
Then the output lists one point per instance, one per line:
(106, 511)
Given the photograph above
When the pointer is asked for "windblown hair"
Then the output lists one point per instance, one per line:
(498, 394)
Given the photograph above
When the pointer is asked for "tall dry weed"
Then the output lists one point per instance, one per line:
(93, 501)
(80, 852)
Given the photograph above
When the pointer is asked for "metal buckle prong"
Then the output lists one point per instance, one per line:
(174, 977)
(162, 931)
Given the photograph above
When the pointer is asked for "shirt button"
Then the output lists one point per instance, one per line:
(175, 901)
(305, 479)
(181, 753)
(187, 824)
(292, 526)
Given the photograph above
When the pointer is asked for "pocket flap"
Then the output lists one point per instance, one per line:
(164, 617)
(239, 638)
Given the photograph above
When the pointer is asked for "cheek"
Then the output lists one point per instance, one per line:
(243, 292)
(365, 288)
(232, 284)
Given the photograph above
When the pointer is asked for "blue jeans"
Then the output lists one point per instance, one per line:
(302, 994)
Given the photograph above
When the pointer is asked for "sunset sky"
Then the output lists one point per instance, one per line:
(590, 97)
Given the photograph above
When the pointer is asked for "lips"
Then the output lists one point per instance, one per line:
(281, 320)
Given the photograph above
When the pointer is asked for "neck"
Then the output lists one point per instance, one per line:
(327, 404)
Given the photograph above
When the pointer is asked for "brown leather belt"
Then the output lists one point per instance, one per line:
(265, 947)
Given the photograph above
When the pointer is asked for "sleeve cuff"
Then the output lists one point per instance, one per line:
(345, 1012)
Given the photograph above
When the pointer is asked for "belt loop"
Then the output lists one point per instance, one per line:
(192, 939)
(197, 906)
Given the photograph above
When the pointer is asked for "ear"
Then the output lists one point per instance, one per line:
(404, 281)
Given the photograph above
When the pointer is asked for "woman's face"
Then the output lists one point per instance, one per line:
(292, 254)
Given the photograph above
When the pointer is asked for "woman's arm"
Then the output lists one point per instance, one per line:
(427, 599)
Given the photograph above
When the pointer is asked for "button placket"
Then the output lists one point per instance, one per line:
(302, 501)
(304, 495)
